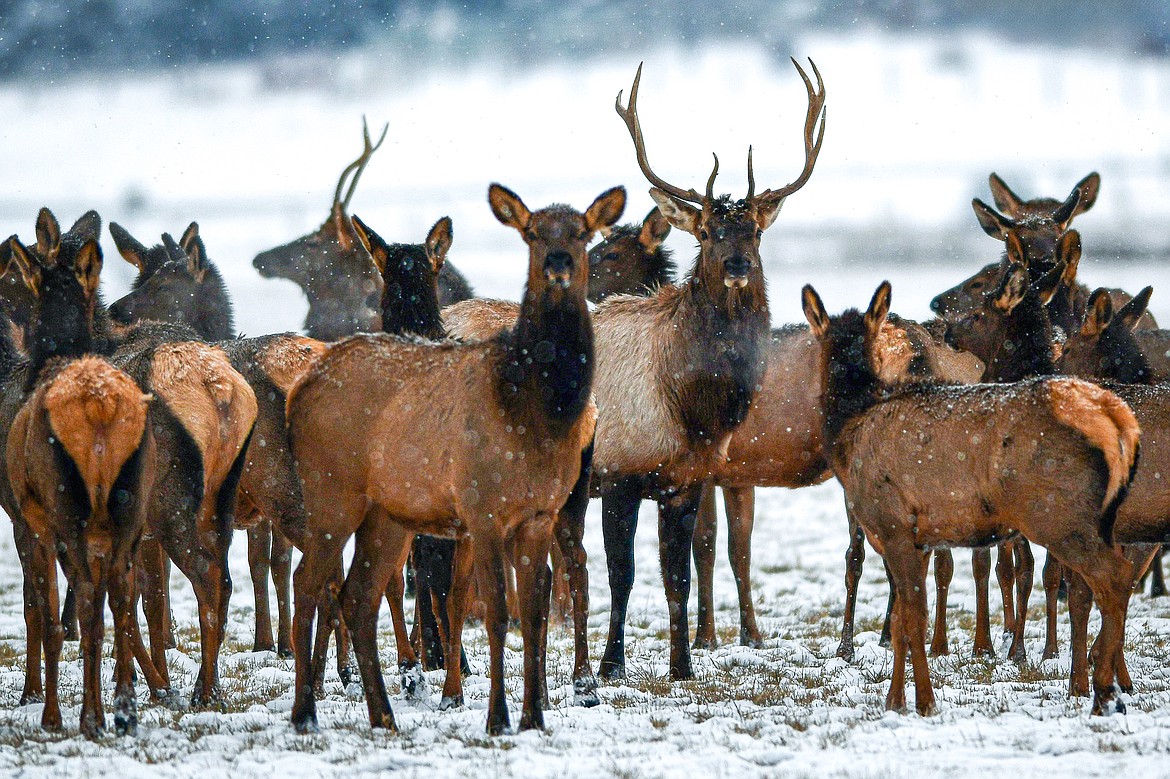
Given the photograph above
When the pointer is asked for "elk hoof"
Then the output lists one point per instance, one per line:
(126, 723)
(884, 641)
(31, 697)
(534, 721)
(497, 725)
(348, 675)
(91, 728)
(845, 650)
(683, 672)
(585, 692)
(209, 701)
(985, 651)
(611, 671)
(306, 727)
(259, 647)
(51, 720)
(704, 642)
(70, 633)
(414, 682)
(285, 653)
(750, 641)
(450, 702)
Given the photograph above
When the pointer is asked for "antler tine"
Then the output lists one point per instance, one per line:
(364, 160)
(812, 149)
(629, 115)
(711, 179)
(751, 176)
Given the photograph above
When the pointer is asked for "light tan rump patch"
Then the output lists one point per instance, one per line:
(98, 414)
(212, 401)
(1105, 420)
(287, 359)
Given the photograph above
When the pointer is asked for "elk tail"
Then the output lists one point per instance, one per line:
(1109, 425)
(98, 414)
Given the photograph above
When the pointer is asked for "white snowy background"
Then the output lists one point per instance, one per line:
(914, 127)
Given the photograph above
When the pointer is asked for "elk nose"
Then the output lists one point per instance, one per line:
(936, 305)
(558, 268)
(737, 266)
(116, 312)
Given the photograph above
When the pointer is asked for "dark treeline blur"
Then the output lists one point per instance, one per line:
(55, 38)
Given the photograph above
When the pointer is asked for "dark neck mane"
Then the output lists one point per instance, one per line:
(1025, 351)
(410, 297)
(851, 386)
(214, 319)
(1121, 359)
(546, 372)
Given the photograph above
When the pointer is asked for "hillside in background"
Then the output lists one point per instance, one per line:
(40, 39)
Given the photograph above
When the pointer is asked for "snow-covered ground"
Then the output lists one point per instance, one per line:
(914, 128)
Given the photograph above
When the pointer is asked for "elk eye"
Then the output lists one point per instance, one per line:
(610, 257)
(759, 234)
(977, 285)
(702, 235)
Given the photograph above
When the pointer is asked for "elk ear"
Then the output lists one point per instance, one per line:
(88, 267)
(1015, 249)
(655, 228)
(1098, 313)
(679, 213)
(508, 207)
(190, 236)
(1090, 187)
(30, 270)
(129, 247)
(1068, 209)
(814, 311)
(1132, 312)
(196, 254)
(1068, 251)
(48, 235)
(1011, 289)
(371, 242)
(88, 226)
(6, 255)
(606, 210)
(993, 223)
(1005, 200)
(439, 242)
(879, 308)
(767, 209)
(1050, 282)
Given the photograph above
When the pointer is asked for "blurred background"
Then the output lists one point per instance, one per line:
(242, 115)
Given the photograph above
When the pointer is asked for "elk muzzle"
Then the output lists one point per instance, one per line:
(558, 269)
(735, 271)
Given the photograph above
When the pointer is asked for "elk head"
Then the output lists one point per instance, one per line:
(331, 265)
(728, 231)
(62, 277)
(1038, 223)
(557, 236)
(1104, 346)
(631, 259)
(175, 283)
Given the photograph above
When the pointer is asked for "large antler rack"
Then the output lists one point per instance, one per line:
(629, 115)
(812, 149)
(358, 166)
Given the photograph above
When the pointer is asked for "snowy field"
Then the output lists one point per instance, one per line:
(914, 128)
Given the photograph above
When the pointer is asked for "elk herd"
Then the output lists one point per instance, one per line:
(461, 438)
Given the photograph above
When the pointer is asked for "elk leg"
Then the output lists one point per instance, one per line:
(1157, 578)
(412, 681)
(854, 559)
(706, 531)
(260, 567)
(45, 572)
(907, 566)
(1052, 575)
(944, 572)
(561, 596)
(489, 565)
(1005, 574)
(981, 569)
(91, 598)
(740, 505)
(533, 579)
(891, 601)
(619, 521)
(569, 530)
(676, 530)
(458, 599)
(430, 640)
(511, 599)
(27, 548)
(380, 551)
(69, 615)
(1080, 602)
(1025, 567)
(1110, 577)
(152, 587)
(281, 557)
(121, 596)
(320, 566)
